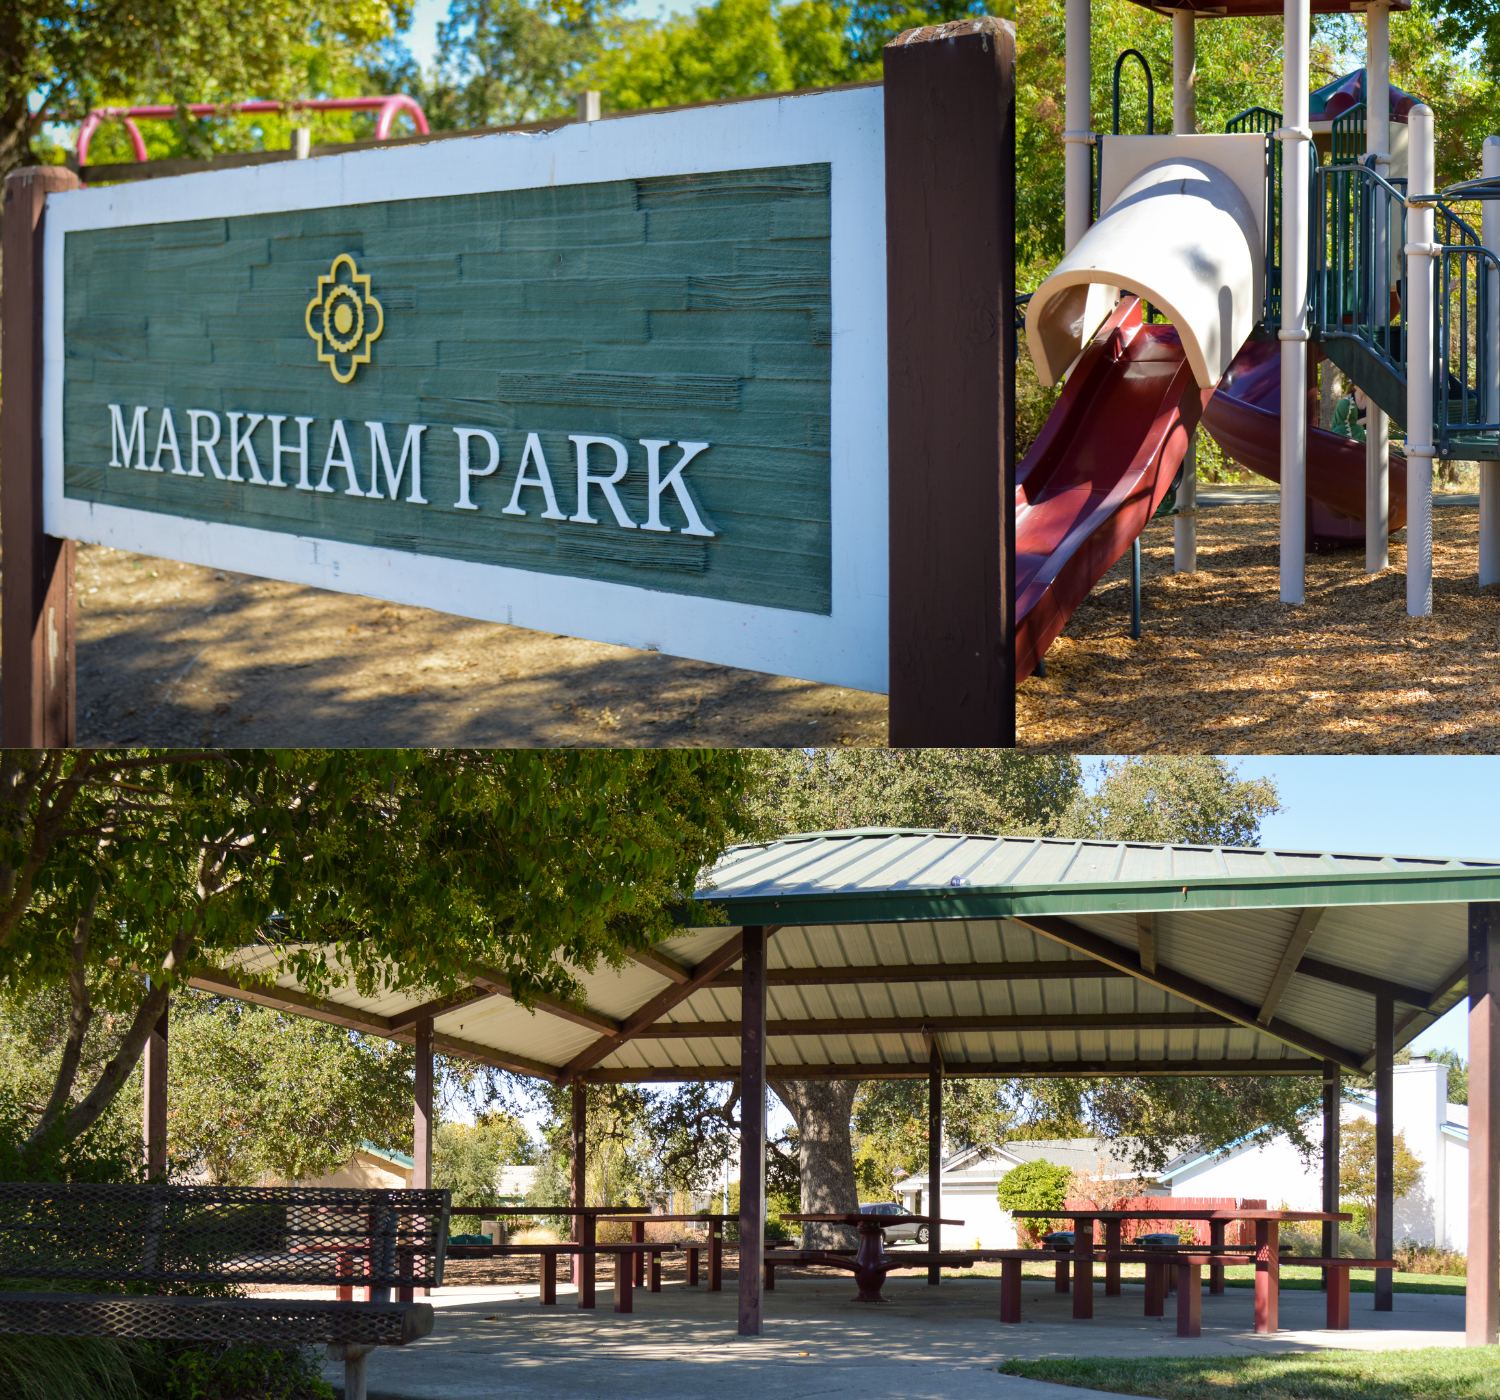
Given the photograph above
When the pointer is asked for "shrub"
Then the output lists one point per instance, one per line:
(65, 1368)
(1034, 1186)
(232, 1371)
(1429, 1259)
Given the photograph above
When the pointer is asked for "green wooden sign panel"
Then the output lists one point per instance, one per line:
(693, 309)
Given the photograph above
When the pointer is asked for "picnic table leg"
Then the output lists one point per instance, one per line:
(1112, 1229)
(692, 1266)
(638, 1236)
(656, 1271)
(1267, 1274)
(1338, 1299)
(1189, 1300)
(1010, 1290)
(1155, 1288)
(716, 1257)
(1216, 1244)
(1083, 1269)
(549, 1276)
(1060, 1285)
(344, 1268)
(770, 1286)
(587, 1263)
(404, 1294)
(624, 1277)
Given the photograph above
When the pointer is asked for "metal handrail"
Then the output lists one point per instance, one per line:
(1098, 151)
(1347, 141)
(1263, 121)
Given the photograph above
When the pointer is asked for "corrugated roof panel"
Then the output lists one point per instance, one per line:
(1383, 942)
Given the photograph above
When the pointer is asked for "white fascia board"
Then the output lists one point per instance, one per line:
(845, 129)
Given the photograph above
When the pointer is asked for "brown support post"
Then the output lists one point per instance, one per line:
(1216, 1232)
(752, 1128)
(1385, 1145)
(716, 1257)
(1189, 1300)
(1083, 1268)
(1332, 1100)
(638, 1236)
(950, 277)
(421, 1176)
(583, 1266)
(37, 700)
(1267, 1275)
(934, 1156)
(1112, 1238)
(154, 1115)
(1482, 1287)
(1010, 1290)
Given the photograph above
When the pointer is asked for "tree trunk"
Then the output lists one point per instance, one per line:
(822, 1108)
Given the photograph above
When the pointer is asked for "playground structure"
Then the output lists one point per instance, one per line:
(1319, 224)
(390, 107)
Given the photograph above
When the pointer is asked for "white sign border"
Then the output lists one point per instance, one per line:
(845, 129)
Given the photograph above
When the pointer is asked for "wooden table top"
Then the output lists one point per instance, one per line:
(1224, 1214)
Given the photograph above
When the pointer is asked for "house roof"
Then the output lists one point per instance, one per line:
(1078, 1154)
(1013, 955)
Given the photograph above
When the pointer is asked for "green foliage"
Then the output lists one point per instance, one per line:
(1034, 1185)
(971, 790)
(1433, 1374)
(390, 870)
(256, 1093)
(1357, 1168)
(65, 1368)
(1195, 799)
(890, 1126)
(467, 1157)
(1458, 1072)
(77, 54)
(231, 1371)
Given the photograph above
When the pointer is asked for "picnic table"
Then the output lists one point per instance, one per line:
(871, 1264)
(586, 1235)
(1190, 1259)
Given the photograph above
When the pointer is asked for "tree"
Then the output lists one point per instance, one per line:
(1195, 799)
(59, 58)
(467, 1157)
(1036, 1185)
(121, 874)
(1458, 1073)
(1357, 1168)
(255, 1093)
(890, 1125)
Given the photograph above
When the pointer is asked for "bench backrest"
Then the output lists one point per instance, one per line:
(155, 1233)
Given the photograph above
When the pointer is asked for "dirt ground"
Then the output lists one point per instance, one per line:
(176, 654)
(1224, 667)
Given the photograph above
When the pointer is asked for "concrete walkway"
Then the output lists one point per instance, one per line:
(924, 1344)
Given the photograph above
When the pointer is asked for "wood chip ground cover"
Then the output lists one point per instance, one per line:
(1223, 666)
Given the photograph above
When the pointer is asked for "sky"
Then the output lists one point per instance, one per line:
(426, 15)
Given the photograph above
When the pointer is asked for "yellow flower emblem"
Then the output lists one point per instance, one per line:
(341, 315)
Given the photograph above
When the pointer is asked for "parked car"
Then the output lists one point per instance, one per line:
(893, 1234)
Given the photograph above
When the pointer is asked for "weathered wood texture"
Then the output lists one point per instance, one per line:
(1482, 1286)
(752, 1129)
(950, 239)
(154, 1100)
(692, 308)
(37, 699)
(1332, 1104)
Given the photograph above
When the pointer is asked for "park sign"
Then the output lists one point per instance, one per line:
(626, 380)
(617, 380)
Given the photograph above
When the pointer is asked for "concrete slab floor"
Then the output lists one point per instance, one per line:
(924, 1344)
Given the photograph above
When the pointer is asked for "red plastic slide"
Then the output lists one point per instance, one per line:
(1244, 416)
(1104, 461)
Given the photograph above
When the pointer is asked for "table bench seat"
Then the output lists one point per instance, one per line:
(845, 1259)
(626, 1256)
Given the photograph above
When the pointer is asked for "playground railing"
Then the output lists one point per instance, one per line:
(1264, 121)
(1467, 287)
(1358, 263)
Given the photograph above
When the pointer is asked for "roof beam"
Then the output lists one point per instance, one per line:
(1052, 969)
(1364, 982)
(564, 1010)
(941, 1025)
(402, 1020)
(1145, 940)
(671, 968)
(1291, 955)
(1072, 935)
(500, 1059)
(1078, 1069)
(226, 984)
(658, 1007)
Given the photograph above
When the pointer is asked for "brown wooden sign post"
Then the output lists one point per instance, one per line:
(950, 156)
(36, 617)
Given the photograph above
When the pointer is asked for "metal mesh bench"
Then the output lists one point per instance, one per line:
(145, 1239)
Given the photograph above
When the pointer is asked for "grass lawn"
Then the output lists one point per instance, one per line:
(1438, 1373)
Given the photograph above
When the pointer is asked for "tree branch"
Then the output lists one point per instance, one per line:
(79, 1017)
